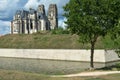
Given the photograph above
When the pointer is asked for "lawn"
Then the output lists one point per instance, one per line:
(17, 75)
(106, 77)
(51, 41)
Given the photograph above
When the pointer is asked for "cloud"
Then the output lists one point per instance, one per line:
(5, 8)
(61, 23)
(31, 4)
(8, 8)
(4, 27)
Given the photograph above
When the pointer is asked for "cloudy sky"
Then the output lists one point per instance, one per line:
(9, 7)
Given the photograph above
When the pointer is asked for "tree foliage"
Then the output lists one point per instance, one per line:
(92, 18)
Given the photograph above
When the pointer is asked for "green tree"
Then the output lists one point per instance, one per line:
(91, 19)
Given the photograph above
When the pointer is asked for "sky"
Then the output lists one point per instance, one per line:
(9, 7)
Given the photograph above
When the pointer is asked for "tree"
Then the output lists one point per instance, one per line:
(91, 19)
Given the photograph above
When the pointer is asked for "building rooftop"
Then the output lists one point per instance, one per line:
(32, 11)
(22, 13)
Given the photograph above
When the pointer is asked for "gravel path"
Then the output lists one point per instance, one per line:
(96, 73)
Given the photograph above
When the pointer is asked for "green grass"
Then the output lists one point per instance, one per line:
(41, 41)
(106, 77)
(48, 40)
(18, 75)
(44, 41)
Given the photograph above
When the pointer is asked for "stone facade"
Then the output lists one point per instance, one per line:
(52, 16)
(32, 21)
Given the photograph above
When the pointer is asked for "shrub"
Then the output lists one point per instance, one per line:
(60, 30)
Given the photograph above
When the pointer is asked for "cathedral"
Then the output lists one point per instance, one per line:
(32, 21)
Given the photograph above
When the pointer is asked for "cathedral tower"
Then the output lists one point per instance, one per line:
(43, 23)
(41, 9)
(53, 16)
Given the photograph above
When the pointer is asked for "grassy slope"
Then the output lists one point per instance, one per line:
(39, 41)
(43, 41)
(50, 41)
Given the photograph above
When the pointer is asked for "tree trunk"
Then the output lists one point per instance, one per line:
(92, 56)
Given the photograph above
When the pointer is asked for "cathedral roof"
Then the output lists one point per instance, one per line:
(32, 11)
(22, 13)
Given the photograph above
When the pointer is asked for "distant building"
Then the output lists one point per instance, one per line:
(32, 21)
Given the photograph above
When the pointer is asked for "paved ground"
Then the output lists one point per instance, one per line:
(96, 73)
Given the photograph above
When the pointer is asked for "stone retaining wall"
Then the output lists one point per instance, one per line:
(61, 54)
